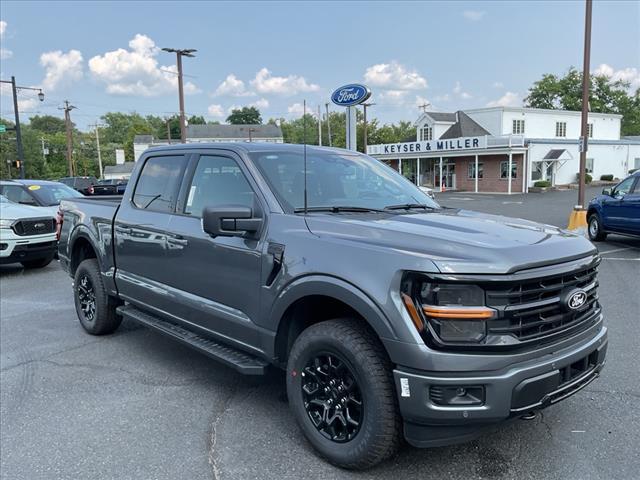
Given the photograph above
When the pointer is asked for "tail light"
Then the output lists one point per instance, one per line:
(90, 189)
(59, 220)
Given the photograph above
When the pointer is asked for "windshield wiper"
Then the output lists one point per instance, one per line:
(337, 209)
(409, 206)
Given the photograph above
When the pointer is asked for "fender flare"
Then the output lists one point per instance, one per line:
(81, 231)
(340, 290)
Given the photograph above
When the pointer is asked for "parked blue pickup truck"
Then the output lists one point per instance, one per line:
(617, 210)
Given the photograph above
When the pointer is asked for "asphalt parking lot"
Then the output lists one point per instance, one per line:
(137, 405)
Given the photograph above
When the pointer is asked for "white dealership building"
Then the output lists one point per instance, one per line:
(508, 149)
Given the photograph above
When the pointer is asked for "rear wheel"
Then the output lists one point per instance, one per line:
(596, 233)
(340, 387)
(38, 263)
(96, 310)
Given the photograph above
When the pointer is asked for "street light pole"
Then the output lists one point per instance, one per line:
(14, 90)
(328, 124)
(179, 54)
(97, 126)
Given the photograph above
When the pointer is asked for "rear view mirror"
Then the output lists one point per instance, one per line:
(229, 221)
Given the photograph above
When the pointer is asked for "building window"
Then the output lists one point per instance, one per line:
(426, 133)
(589, 165)
(471, 172)
(561, 129)
(590, 130)
(504, 169)
(518, 127)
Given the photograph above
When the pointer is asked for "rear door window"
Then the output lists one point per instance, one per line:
(158, 183)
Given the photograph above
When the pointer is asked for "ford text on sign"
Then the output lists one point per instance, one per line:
(453, 144)
(350, 95)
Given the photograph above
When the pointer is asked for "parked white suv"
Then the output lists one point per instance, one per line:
(26, 235)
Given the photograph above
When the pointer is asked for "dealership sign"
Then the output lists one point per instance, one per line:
(350, 95)
(433, 146)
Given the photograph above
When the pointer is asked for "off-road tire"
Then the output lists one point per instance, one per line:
(379, 434)
(104, 319)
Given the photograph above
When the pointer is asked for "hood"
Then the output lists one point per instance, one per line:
(458, 241)
(15, 211)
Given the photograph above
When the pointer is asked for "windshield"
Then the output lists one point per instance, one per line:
(4, 199)
(336, 180)
(52, 194)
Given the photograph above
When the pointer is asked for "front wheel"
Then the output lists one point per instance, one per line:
(596, 233)
(340, 387)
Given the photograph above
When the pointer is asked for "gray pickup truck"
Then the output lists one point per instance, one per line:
(391, 316)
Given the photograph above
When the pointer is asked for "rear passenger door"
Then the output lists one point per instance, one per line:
(140, 234)
(219, 278)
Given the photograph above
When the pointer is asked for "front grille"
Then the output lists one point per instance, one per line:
(533, 309)
(39, 226)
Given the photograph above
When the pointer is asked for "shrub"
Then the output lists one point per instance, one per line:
(587, 178)
(542, 184)
(606, 178)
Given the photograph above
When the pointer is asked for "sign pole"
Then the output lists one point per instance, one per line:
(352, 139)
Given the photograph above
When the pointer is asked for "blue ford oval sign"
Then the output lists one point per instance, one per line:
(349, 95)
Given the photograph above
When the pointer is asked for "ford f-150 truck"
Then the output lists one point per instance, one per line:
(391, 315)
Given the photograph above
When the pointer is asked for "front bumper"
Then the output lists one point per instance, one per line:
(14, 248)
(511, 392)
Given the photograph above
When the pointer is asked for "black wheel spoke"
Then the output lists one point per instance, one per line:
(87, 298)
(332, 397)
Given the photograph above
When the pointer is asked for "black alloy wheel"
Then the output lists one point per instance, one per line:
(332, 397)
(87, 298)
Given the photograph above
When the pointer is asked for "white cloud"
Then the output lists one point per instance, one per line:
(137, 71)
(457, 90)
(630, 75)
(297, 109)
(420, 101)
(266, 83)
(4, 53)
(262, 103)
(392, 97)
(474, 15)
(61, 68)
(215, 111)
(232, 86)
(498, 85)
(509, 99)
(27, 105)
(394, 76)
(443, 98)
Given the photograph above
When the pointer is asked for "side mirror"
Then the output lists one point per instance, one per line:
(229, 221)
(606, 191)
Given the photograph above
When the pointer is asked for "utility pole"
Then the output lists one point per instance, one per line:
(44, 150)
(319, 126)
(328, 123)
(584, 137)
(169, 131)
(67, 122)
(251, 130)
(14, 90)
(97, 127)
(189, 52)
(364, 106)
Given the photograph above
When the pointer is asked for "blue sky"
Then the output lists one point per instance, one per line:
(103, 56)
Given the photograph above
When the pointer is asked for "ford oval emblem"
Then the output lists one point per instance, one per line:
(349, 95)
(576, 299)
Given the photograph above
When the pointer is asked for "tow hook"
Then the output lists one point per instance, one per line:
(529, 416)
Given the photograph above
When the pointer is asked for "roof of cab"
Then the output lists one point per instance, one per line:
(249, 147)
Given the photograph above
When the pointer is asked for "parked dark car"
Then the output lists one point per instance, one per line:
(37, 193)
(617, 210)
(83, 185)
(110, 187)
(391, 315)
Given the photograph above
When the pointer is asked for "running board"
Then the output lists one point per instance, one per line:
(242, 362)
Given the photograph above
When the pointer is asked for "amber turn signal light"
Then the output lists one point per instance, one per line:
(413, 312)
(458, 313)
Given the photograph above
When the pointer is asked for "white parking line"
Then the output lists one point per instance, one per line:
(627, 259)
(616, 250)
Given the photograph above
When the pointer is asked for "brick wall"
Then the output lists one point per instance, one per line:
(491, 181)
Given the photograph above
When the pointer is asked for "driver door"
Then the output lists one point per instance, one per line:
(614, 216)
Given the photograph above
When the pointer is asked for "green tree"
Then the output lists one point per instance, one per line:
(605, 96)
(245, 116)
(47, 124)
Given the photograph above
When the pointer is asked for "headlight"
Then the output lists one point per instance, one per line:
(5, 223)
(455, 312)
